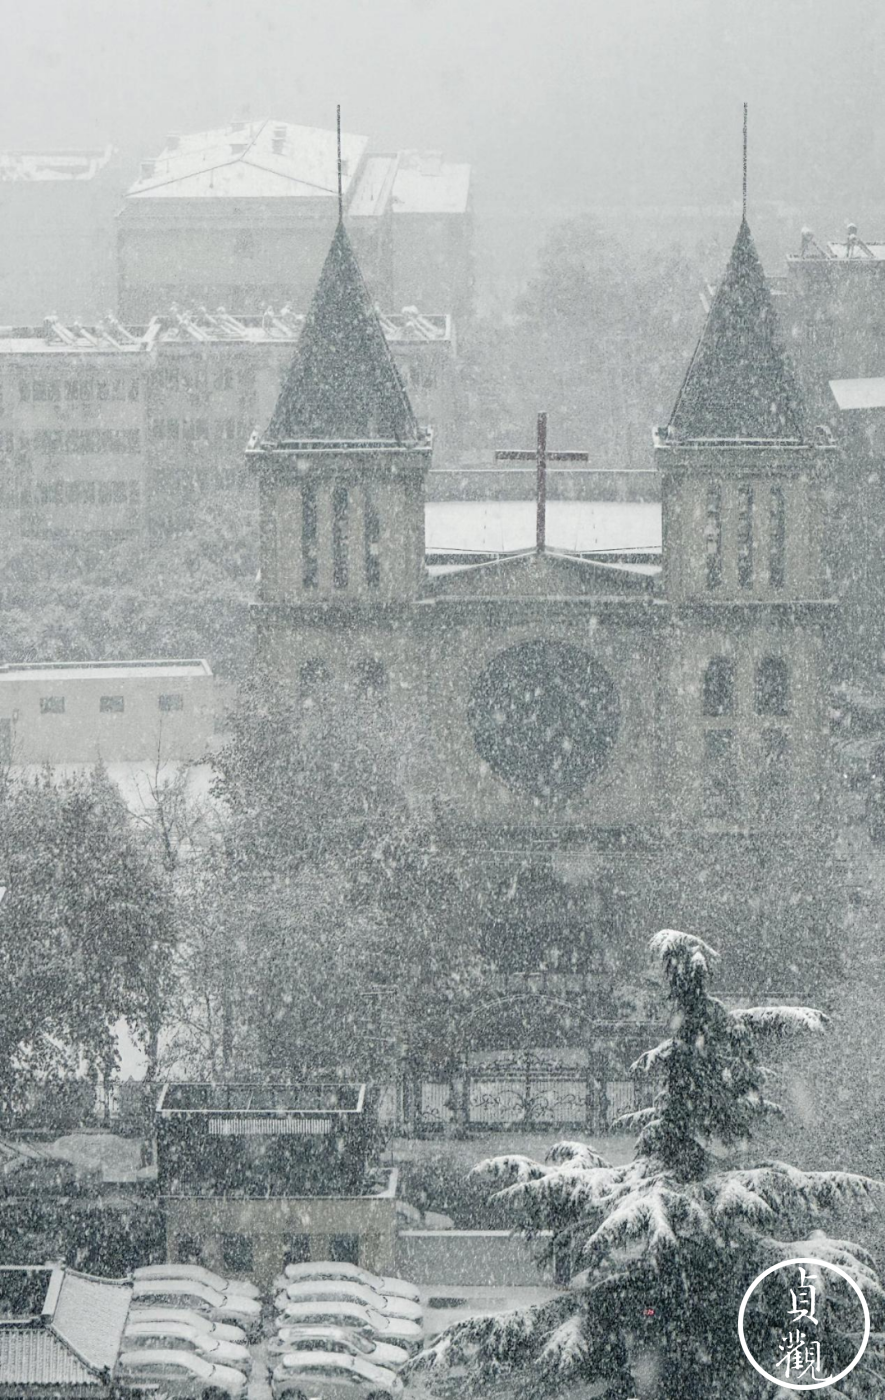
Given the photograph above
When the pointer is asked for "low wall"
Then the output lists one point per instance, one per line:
(469, 1259)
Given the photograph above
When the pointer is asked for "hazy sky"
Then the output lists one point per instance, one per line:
(557, 103)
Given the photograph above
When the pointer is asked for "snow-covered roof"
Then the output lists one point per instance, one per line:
(186, 327)
(32, 167)
(251, 160)
(373, 187)
(579, 527)
(73, 1340)
(858, 393)
(102, 670)
(426, 184)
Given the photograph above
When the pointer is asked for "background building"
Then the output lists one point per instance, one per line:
(113, 712)
(241, 218)
(109, 429)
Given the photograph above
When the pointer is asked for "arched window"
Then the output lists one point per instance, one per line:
(371, 678)
(772, 686)
(718, 698)
(313, 677)
(713, 536)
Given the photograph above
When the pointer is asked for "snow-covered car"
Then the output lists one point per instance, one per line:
(330, 1269)
(327, 1377)
(344, 1340)
(168, 1336)
(224, 1331)
(180, 1374)
(197, 1274)
(344, 1291)
(221, 1307)
(328, 1313)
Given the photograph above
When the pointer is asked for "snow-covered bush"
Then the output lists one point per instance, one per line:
(665, 1247)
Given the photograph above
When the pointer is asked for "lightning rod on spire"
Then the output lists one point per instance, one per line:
(340, 194)
(745, 166)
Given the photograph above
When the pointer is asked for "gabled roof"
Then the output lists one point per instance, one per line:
(343, 384)
(74, 1341)
(739, 386)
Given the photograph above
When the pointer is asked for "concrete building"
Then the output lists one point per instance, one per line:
(114, 712)
(57, 251)
(109, 429)
(254, 1177)
(598, 746)
(241, 218)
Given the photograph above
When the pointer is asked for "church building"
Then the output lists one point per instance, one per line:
(597, 748)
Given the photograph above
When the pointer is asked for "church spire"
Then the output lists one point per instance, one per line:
(343, 384)
(739, 386)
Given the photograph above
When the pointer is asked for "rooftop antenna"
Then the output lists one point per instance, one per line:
(745, 166)
(340, 195)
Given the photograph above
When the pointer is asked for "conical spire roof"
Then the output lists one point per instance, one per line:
(343, 384)
(739, 385)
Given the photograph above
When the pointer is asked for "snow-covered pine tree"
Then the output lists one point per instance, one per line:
(667, 1245)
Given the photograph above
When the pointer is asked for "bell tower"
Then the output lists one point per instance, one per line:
(745, 502)
(341, 466)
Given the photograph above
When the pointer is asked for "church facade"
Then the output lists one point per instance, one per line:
(598, 749)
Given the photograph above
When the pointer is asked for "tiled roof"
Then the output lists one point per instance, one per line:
(33, 1356)
(343, 384)
(738, 385)
(75, 1340)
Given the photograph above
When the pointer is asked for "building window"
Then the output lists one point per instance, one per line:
(168, 703)
(237, 1253)
(772, 686)
(719, 679)
(344, 1249)
(777, 556)
(372, 526)
(309, 552)
(110, 705)
(339, 536)
(745, 537)
(713, 536)
(189, 1249)
(298, 1251)
(52, 705)
(774, 773)
(720, 774)
(313, 677)
(371, 678)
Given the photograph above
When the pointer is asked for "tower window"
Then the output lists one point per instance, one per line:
(719, 678)
(713, 536)
(372, 526)
(309, 556)
(720, 774)
(774, 773)
(339, 536)
(313, 678)
(371, 677)
(745, 537)
(777, 556)
(772, 686)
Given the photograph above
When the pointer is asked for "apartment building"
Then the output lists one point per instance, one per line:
(111, 429)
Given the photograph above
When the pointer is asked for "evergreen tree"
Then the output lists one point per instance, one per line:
(667, 1245)
(86, 931)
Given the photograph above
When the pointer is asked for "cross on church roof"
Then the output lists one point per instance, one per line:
(540, 456)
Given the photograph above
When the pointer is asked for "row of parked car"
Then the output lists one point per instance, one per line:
(188, 1333)
(340, 1331)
